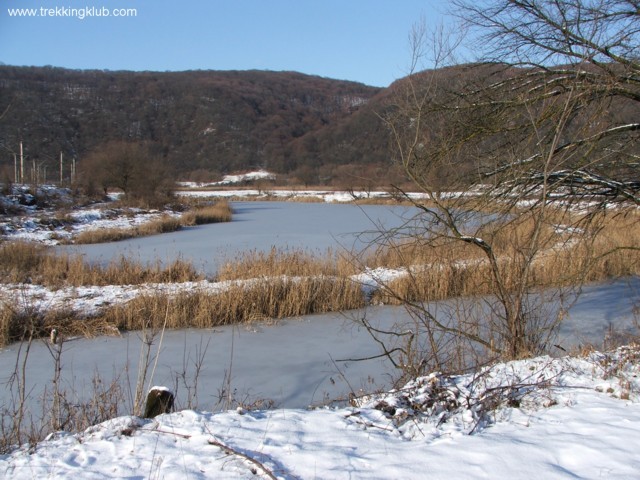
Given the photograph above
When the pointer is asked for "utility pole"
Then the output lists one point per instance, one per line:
(60, 168)
(15, 168)
(21, 164)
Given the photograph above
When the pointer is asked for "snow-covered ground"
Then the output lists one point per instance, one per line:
(34, 229)
(331, 196)
(56, 220)
(538, 418)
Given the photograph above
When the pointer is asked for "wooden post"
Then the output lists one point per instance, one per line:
(21, 164)
(60, 168)
(159, 401)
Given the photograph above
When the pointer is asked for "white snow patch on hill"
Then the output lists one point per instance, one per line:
(232, 179)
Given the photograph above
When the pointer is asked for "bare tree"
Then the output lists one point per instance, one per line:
(131, 168)
(517, 156)
(556, 49)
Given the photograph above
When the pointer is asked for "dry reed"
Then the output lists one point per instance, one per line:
(164, 224)
(439, 271)
(289, 283)
(219, 212)
(263, 300)
(17, 324)
(259, 301)
(199, 215)
(295, 263)
(22, 262)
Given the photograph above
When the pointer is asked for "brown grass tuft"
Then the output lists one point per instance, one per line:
(164, 224)
(199, 215)
(219, 212)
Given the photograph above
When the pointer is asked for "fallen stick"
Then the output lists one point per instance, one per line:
(231, 451)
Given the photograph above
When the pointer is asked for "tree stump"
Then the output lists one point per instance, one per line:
(159, 401)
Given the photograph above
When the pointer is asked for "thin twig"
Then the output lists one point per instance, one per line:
(231, 451)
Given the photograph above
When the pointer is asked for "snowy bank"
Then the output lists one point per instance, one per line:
(538, 418)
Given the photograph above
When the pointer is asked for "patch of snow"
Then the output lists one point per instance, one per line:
(38, 227)
(250, 176)
(330, 196)
(160, 388)
(232, 179)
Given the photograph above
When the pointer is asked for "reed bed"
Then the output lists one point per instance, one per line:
(452, 269)
(199, 215)
(260, 301)
(295, 263)
(265, 300)
(288, 283)
(18, 324)
(164, 224)
(22, 262)
(103, 235)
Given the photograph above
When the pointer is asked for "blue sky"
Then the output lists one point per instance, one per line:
(359, 40)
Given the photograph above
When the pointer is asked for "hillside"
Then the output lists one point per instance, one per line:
(206, 124)
(200, 120)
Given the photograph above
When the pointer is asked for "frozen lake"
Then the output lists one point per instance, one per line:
(260, 226)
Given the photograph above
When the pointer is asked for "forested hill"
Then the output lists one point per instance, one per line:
(202, 124)
(213, 121)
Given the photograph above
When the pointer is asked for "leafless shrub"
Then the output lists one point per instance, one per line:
(520, 163)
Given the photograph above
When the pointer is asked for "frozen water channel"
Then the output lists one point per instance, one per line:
(313, 227)
(296, 363)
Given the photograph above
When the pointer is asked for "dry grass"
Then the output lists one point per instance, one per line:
(259, 301)
(450, 269)
(103, 235)
(164, 224)
(18, 324)
(303, 199)
(284, 284)
(264, 300)
(219, 212)
(22, 262)
(279, 262)
(290, 283)
(199, 215)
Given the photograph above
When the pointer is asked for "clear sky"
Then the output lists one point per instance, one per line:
(359, 40)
